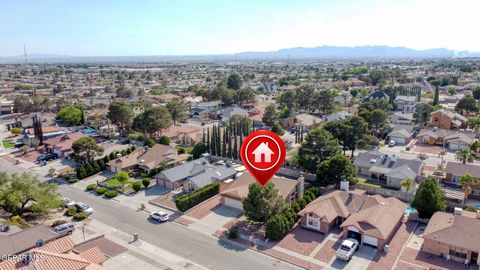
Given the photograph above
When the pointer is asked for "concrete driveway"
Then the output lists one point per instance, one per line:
(360, 260)
(216, 219)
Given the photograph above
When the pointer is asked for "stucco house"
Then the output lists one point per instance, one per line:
(405, 104)
(372, 220)
(401, 134)
(452, 140)
(62, 145)
(388, 170)
(455, 170)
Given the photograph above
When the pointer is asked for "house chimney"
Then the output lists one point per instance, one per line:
(300, 186)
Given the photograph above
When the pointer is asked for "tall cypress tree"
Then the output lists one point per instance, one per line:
(224, 143)
(213, 142)
(208, 141)
(219, 141)
(235, 148)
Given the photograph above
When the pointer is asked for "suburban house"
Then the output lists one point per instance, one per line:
(454, 237)
(376, 95)
(17, 241)
(305, 121)
(205, 108)
(452, 140)
(62, 145)
(183, 135)
(147, 159)
(388, 170)
(455, 170)
(165, 98)
(405, 104)
(48, 132)
(225, 114)
(401, 134)
(337, 116)
(6, 106)
(289, 189)
(372, 220)
(447, 120)
(58, 254)
(194, 174)
(401, 118)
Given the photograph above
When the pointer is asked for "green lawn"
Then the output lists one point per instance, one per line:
(114, 183)
(373, 184)
(8, 144)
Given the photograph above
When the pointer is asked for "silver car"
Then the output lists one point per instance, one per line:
(347, 248)
(159, 216)
(83, 207)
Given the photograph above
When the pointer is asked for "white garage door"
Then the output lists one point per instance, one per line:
(454, 146)
(232, 203)
(399, 140)
(370, 240)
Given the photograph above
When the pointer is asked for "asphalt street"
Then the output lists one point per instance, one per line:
(205, 250)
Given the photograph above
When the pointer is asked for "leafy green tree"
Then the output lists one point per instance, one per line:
(124, 92)
(262, 203)
(89, 169)
(303, 97)
(319, 145)
(96, 167)
(429, 198)
(465, 155)
(22, 104)
(349, 132)
(234, 81)
(422, 113)
(476, 93)
(122, 177)
(466, 105)
(407, 184)
(467, 181)
(277, 227)
(473, 121)
(23, 193)
(121, 115)
(199, 149)
(71, 115)
(85, 149)
(164, 140)
(81, 172)
(246, 97)
(278, 129)
(287, 99)
(376, 119)
(269, 116)
(177, 110)
(152, 120)
(324, 100)
(334, 170)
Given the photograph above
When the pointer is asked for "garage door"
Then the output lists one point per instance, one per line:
(399, 140)
(454, 146)
(232, 203)
(372, 241)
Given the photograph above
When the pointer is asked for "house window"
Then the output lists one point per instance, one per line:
(455, 178)
(458, 254)
(312, 222)
(475, 192)
(436, 119)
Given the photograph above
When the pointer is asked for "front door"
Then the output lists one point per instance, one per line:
(474, 257)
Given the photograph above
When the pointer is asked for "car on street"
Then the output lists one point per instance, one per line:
(392, 143)
(159, 216)
(64, 229)
(347, 249)
(68, 202)
(83, 207)
(47, 157)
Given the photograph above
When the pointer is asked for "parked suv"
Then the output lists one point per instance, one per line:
(64, 229)
(347, 248)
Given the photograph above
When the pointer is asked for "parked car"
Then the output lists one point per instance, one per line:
(159, 216)
(64, 229)
(392, 143)
(347, 248)
(68, 202)
(83, 207)
(47, 157)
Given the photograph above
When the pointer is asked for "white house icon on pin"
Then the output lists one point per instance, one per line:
(264, 150)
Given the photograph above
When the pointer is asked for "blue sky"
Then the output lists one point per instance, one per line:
(172, 27)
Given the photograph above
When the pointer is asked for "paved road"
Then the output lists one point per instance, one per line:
(199, 248)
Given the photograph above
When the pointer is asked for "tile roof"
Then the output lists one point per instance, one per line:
(454, 230)
(385, 163)
(23, 240)
(65, 141)
(459, 169)
(239, 188)
(94, 255)
(60, 245)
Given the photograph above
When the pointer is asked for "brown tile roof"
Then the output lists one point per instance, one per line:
(21, 241)
(459, 169)
(65, 141)
(174, 131)
(454, 230)
(61, 245)
(94, 255)
(128, 160)
(379, 220)
(239, 188)
(46, 129)
(150, 158)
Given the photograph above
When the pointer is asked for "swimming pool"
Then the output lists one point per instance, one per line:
(410, 210)
(89, 131)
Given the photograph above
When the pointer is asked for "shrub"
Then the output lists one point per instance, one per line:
(91, 187)
(101, 164)
(106, 159)
(154, 172)
(89, 168)
(124, 152)
(296, 207)
(187, 201)
(80, 216)
(16, 131)
(81, 172)
(72, 180)
(95, 166)
(137, 186)
(233, 233)
(277, 227)
(58, 222)
(71, 211)
(132, 148)
(150, 143)
(470, 208)
(146, 182)
(101, 190)
(112, 155)
(111, 194)
(302, 203)
(164, 140)
(16, 219)
(128, 151)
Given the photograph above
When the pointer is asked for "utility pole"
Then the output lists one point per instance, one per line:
(25, 54)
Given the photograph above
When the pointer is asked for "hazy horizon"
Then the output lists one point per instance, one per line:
(215, 27)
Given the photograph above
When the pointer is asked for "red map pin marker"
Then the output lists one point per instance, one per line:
(262, 153)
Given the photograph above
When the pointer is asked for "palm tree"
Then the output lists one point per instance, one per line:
(407, 184)
(465, 155)
(467, 181)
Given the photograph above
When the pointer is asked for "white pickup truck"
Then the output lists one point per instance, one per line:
(347, 248)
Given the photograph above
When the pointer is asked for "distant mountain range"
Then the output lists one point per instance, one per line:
(322, 52)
